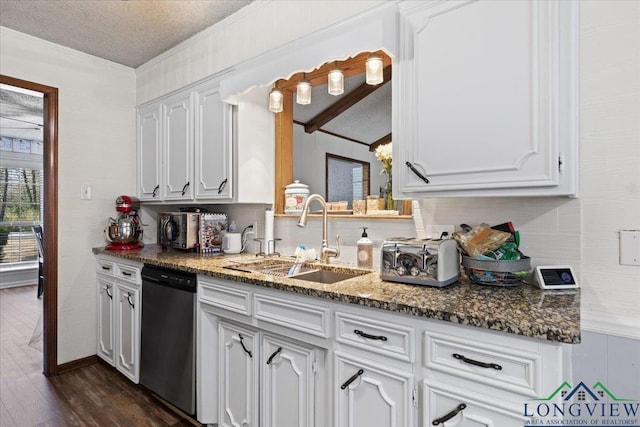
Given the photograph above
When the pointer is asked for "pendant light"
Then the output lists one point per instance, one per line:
(303, 91)
(336, 81)
(374, 69)
(275, 100)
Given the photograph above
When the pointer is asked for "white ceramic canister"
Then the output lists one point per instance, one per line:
(295, 195)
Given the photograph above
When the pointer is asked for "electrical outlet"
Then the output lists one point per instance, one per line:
(435, 231)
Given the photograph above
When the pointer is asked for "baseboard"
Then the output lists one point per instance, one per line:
(78, 363)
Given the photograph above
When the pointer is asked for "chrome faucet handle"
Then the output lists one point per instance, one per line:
(328, 252)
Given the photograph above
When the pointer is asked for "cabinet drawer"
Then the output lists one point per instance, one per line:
(128, 273)
(225, 297)
(385, 338)
(106, 267)
(482, 362)
(442, 404)
(293, 314)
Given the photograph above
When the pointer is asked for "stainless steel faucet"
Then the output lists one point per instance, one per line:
(325, 252)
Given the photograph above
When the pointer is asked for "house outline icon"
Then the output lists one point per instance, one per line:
(582, 386)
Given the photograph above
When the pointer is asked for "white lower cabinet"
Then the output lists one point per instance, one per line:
(263, 379)
(119, 309)
(127, 330)
(368, 394)
(271, 358)
(105, 319)
(237, 375)
(287, 388)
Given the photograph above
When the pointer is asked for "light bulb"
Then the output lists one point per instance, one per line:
(303, 92)
(336, 81)
(275, 100)
(374, 68)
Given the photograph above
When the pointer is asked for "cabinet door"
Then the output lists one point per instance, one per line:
(178, 147)
(237, 375)
(105, 319)
(288, 383)
(127, 331)
(149, 151)
(487, 97)
(369, 395)
(213, 145)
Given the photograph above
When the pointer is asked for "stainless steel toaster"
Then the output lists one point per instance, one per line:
(428, 262)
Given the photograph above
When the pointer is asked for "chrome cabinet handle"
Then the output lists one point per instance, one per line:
(275, 353)
(124, 273)
(448, 416)
(417, 172)
(184, 189)
(222, 185)
(155, 191)
(243, 347)
(352, 379)
(105, 268)
(477, 363)
(109, 294)
(129, 299)
(371, 337)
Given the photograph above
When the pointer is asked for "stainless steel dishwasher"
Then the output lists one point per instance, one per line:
(167, 344)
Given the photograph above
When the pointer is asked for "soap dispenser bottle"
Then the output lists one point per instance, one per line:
(365, 250)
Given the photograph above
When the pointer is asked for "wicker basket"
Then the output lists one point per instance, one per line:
(496, 273)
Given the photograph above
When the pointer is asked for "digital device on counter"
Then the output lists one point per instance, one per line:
(555, 277)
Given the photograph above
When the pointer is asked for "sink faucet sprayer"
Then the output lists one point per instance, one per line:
(326, 252)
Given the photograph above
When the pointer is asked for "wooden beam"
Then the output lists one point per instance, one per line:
(344, 103)
(384, 140)
(284, 150)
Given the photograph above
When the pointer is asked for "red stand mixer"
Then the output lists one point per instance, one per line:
(125, 232)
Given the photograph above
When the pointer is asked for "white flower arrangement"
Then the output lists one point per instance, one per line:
(384, 154)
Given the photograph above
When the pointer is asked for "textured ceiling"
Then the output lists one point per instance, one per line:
(127, 32)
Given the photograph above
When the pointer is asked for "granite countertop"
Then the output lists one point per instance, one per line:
(522, 310)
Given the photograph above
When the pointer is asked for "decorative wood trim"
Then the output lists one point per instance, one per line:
(78, 363)
(50, 243)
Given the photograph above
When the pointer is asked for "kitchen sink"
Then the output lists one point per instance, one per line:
(328, 276)
(280, 267)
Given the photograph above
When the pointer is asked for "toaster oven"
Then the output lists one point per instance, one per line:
(428, 262)
(178, 230)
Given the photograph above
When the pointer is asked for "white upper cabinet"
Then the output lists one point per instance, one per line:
(213, 122)
(149, 151)
(487, 103)
(178, 147)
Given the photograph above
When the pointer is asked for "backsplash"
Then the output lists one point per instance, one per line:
(549, 227)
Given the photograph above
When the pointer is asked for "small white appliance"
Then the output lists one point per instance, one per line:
(232, 243)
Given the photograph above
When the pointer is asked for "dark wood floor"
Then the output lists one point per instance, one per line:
(95, 395)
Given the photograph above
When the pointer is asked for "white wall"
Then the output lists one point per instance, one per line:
(96, 142)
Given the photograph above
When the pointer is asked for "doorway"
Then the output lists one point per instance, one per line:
(50, 218)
